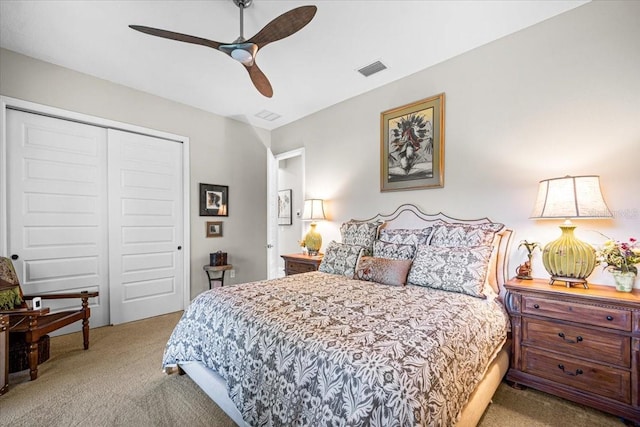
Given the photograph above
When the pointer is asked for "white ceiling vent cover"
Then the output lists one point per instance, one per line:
(267, 115)
(373, 68)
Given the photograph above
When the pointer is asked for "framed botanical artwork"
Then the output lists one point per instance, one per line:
(214, 228)
(412, 146)
(214, 200)
(284, 207)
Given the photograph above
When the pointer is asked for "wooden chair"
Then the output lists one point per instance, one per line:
(36, 323)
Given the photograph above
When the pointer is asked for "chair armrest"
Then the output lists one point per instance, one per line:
(25, 312)
(84, 294)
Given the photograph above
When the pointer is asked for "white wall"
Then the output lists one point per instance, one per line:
(223, 151)
(561, 97)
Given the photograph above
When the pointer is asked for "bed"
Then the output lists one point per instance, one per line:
(352, 344)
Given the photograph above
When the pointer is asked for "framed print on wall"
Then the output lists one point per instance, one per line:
(214, 200)
(284, 207)
(412, 146)
(214, 228)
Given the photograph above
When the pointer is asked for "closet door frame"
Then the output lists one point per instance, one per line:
(32, 107)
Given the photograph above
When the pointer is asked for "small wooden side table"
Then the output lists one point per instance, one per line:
(209, 269)
(300, 263)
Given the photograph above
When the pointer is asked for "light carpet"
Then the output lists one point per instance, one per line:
(119, 382)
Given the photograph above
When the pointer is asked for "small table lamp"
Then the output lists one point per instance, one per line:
(313, 211)
(568, 259)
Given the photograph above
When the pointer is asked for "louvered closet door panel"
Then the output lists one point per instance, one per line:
(57, 209)
(145, 226)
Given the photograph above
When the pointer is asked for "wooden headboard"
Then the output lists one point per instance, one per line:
(410, 216)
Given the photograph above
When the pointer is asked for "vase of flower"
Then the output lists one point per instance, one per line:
(621, 259)
(624, 280)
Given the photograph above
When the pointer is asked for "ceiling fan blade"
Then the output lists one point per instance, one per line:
(259, 80)
(176, 36)
(284, 25)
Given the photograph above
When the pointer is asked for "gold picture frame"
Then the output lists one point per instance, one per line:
(412, 146)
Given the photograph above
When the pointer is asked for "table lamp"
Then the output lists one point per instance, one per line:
(313, 211)
(568, 259)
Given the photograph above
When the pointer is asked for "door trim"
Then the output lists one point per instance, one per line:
(32, 107)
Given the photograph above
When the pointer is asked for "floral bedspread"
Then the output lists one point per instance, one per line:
(317, 349)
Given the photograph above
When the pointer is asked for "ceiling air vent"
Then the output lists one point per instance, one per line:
(373, 68)
(267, 115)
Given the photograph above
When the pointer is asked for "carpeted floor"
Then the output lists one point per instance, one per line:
(119, 382)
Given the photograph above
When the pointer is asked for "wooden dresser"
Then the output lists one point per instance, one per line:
(579, 344)
(299, 263)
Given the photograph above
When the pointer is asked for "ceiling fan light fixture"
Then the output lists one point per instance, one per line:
(243, 56)
(244, 53)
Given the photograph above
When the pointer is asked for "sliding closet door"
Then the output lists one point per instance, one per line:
(57, 209)
(145, 226)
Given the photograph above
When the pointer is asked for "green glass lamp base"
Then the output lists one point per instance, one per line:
(313, 240)
(568, 259)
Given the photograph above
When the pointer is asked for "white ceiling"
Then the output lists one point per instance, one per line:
(309, 71)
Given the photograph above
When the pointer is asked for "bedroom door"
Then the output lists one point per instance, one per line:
(57, 209)
(145, 226)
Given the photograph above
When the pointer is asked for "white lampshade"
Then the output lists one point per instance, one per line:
(570, 197)
(313, 210)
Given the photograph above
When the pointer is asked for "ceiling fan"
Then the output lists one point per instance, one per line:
(245, 51)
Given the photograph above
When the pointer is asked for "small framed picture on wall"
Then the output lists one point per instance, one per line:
(284, 207)
(214, 228)
(214, 200)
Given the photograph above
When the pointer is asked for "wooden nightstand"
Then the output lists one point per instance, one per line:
(299, 263)
(579, 344)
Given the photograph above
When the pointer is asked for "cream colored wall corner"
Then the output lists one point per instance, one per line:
(561, 97)
(223, 151)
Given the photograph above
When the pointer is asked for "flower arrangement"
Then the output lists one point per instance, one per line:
(620, 256)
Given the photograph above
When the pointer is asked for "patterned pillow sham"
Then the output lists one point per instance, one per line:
(460, 269)
(340, 258)
(406, 236)
(445, 234)
(393, 250)
(360, 233)
(382, 270)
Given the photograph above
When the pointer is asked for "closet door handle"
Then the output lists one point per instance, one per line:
(14, 257)
(179, 247)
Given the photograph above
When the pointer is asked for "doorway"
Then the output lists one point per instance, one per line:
(286, 171)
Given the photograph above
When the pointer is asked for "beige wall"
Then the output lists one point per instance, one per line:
(562, 97)
(223, 151)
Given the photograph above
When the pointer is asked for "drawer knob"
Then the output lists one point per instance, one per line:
(609, 318)
(577, 340)
(536, 306)
(578, 371)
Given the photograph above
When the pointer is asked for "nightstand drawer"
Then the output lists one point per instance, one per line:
(589, 377)
(587, 314)
(298, 267)
(578, 341)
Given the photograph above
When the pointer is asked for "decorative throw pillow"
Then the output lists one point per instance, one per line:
(9, 289)
(406, 236)
(360, 233)
(340, 258)
(382, 270)
(445, 234)
(393, 250)
(455, 269)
